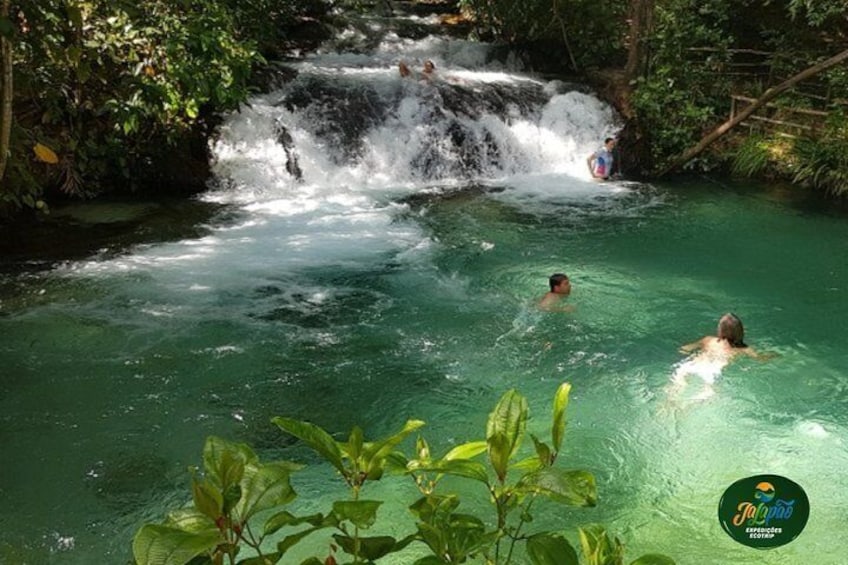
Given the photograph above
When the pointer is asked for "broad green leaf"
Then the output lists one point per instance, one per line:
(207, 498)
(468, 450)
(312, 561)
(542, 451)
(396, 462)
(550, 549)
(509, 419)
(232, 495)
(560, 405)
(597, 547)
(654, 559)
(362, 513)
(373, 453)
(163, 545)
(286, 518)
(575, 488)
(456, 467)
(528, 465)
(434, 508)
(499, 450)
(222, 457)
(371, 548)
(354, 443)
(230, 470)
(190, 520)
(264, 487)
(315, 437)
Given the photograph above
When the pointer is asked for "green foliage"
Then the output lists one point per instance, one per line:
(236, 492)
(822, 163)
(753, 156)
(232, 489)
(683, 92)
(593, 29)
(114, 86)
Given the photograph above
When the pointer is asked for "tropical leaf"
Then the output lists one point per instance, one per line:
(560, 405)
(225, 460)
(468, 450)
(265, 487)
(163, 545)
(456, 467)
(509, 420)
(286, 518)
(550, 549)
(374, 453)
(45, 154)
(315, 437)
(575, 488)
(361, 513)
(371, 548)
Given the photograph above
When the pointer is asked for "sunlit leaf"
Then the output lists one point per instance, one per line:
(509, 419)
(163, 545)
(361, 513)
(499, 450)
(575, 488)
(286, 518)
(560, 405)
(456, 467)
(265, 487)
(208, 499)
(190, 520)
(315, 437)
(225, 460)
(371, 548)
(550, 549)
(466, 450)
(45, 154)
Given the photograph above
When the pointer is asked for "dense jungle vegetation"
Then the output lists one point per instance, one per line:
(99, 96)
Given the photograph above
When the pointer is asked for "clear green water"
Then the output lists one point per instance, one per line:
(115, 370)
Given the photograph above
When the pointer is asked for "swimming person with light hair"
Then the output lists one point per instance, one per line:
(713, 353)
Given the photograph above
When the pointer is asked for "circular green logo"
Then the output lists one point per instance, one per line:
(764, 511)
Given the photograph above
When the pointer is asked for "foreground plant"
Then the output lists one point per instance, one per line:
(236, 487)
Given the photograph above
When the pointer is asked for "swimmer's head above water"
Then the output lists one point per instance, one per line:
(730, 329)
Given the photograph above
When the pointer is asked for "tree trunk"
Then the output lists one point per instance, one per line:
(5, 93)
(641, 25)
(768, 95)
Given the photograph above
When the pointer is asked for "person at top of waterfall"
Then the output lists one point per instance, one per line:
(404, 70)
(560, 286)
(600, 162)
(429, 70)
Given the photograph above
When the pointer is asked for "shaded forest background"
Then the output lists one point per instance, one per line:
(100, 96)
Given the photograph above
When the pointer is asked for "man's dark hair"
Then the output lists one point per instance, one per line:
(607, 140)
(556, 279)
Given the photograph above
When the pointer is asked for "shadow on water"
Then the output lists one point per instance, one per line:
(103, 228)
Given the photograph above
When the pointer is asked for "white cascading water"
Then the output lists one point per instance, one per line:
(328, 158)
(319, 169)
